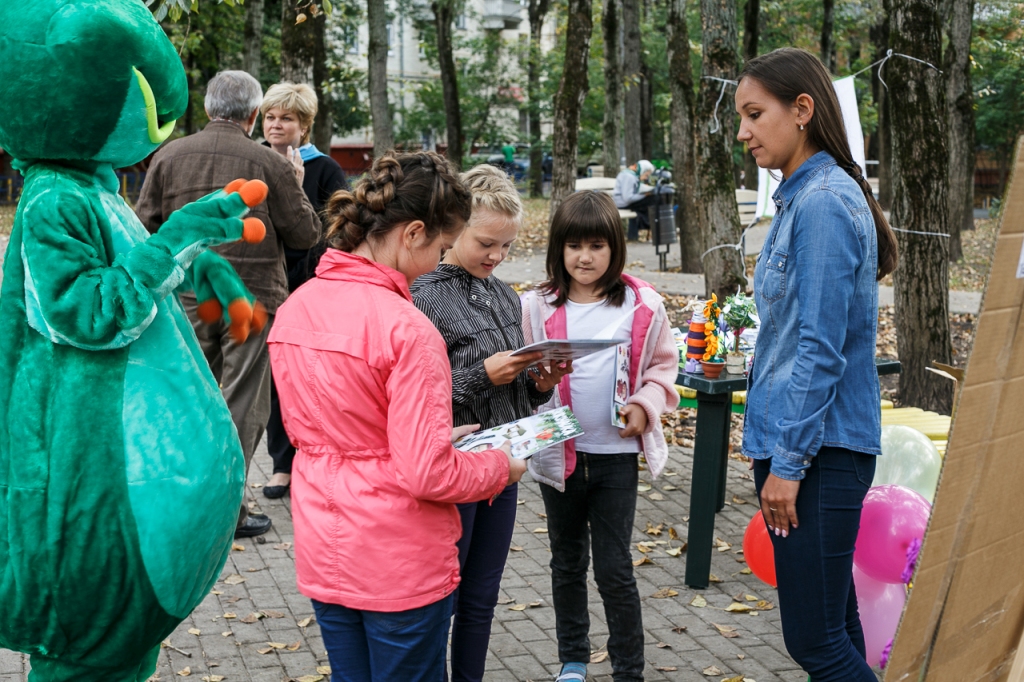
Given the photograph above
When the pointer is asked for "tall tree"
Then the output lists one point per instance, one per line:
(252, 43)
(684, 162)
(323, 126)
(960, 108)
(611, 26)
(536, 11)
(920, 168)
(298, 42)
(571, 91)
(880, 39)
(444, 15)
(632, 94)
(717, 213)
(828, 41)
(377, 71)
(646, 113)
(751, 35)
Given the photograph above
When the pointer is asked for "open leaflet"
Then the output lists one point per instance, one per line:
(528, 436)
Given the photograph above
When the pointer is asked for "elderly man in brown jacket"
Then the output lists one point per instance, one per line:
(189, 168)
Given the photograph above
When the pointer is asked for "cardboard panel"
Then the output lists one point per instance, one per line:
(965, 617)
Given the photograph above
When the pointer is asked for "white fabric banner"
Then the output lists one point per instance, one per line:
(847, 95)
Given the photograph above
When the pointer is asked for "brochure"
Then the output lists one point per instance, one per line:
(528, 436)
(621, 385)
(563, 350)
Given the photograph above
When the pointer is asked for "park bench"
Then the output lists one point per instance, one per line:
(606, 185)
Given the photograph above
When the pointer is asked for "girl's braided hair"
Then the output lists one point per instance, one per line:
(398, 189)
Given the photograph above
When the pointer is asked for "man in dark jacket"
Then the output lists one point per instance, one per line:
(189, 168)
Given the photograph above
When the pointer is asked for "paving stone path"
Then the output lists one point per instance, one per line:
(254, 627)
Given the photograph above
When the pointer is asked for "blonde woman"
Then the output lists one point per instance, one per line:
(480, 319)
(288, 111)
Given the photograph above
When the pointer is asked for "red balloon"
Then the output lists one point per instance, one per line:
(758, 550)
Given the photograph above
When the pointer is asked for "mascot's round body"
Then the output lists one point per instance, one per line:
(121, 474)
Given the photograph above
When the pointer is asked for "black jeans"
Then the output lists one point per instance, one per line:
(596, 509)
(278, 445)
(642, 220)
(814, 566)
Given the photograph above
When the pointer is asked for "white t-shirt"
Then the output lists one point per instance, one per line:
(593, 378)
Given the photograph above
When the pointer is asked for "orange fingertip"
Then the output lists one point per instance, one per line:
(259, 316)
(209, 311)
(234, 186)
(254, 192)
(240, 313)
(253, 230)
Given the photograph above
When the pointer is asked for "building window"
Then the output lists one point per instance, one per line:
(460, 21)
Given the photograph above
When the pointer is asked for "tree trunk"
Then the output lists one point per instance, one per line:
(569, 100)
(717, 213)
(920, 168)
(646, 113)
(683, 158)
(612, 29)
(828, 43)
(537, 10)
(751, 34)
(444, 13)
(631, 76)
(880, 38)
(298, 44)
(323, 126)
(377, 73)
(960, 108)
(252, 43)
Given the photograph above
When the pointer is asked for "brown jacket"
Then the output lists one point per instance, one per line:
(192, 167)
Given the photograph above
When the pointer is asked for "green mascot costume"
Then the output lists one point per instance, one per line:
(121, 473)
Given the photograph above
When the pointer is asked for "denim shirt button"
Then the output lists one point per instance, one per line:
(807, 462)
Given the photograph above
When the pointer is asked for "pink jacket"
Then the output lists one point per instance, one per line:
(365, 389)
(652, 376)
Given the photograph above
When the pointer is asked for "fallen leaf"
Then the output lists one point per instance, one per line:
(672, 533)
(306, 621)
(234, 579)
(540, 530)
(185, 672)
(749, 597)
(643, 560)
(276, 645)
(657, 497)
(668, 488)
(227, 633)
(643, 487)
(654, 530)
(726, 630)
(324, 669)
(257, 486)
(520, 501)
(680, 629)
(235, 547)
(738, 500)
(643, 548)
(668, 474)
(294, 646)
(765, 605)
(737, 607)
(711, 670)
(535, 604)
(665, 593)
(738, 678)
(253, 570)
(515, 548)
(664, 645)
(666, 668)
(598, 657)
(213, 678)
(272, 614)
(517, 607)
(251, 618)
(506, 600)
(722, 545)
(283, 545)
(741, 656)
(264, 650)
(543, 516)
(746, 571)
(698, 601)
(218, 592)
(661, 542)
(675, 551)
(231, 600)
(712, 578)
(310, 678)
(229, 616)
(194, 631)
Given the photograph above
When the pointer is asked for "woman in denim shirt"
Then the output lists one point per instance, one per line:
(812, 423)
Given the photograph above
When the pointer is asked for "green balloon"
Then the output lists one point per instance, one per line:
(908, 459)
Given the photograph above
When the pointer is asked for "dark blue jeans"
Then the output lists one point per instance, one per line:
(281, 450)
(814, 566)
(596, 513)
(483, 548)
(373, 646)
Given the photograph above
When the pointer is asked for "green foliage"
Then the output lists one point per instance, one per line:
(997, 55)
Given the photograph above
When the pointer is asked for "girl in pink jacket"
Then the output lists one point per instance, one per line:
(618, 396)
(365, 389)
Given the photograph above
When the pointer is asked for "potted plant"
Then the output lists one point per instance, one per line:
(713, 361)
(739, 313)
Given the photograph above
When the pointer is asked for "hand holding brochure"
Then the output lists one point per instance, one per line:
(528, 436)
(564, 350)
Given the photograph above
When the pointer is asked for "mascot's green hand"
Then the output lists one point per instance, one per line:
(214, 219)
(218, 288)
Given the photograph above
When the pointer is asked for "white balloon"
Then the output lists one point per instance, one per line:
(909, 459)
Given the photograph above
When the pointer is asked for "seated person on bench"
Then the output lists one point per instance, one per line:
(627, 195)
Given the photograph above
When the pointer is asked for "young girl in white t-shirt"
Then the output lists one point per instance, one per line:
(618, 395)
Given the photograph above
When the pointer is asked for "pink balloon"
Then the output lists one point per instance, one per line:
(892, 518)
(880, 605)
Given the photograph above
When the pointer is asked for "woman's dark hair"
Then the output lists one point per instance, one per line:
(586, 217)
(398, 189)
(789, 72)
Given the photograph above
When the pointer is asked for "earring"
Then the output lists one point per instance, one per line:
(801, 126)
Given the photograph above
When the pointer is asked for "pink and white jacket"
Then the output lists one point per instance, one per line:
(652, 376)
(366, 396)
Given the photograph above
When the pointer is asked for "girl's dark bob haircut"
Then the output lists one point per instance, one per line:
(586, 217)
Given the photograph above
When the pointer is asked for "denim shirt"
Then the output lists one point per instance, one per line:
(814, 381)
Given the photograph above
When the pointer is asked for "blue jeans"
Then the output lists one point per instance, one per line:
(373, 646)
(483, 548)
(814, 566)
(596, 513)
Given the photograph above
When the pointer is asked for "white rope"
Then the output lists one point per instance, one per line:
(927, 234)
(715, 124)
(888, 55)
